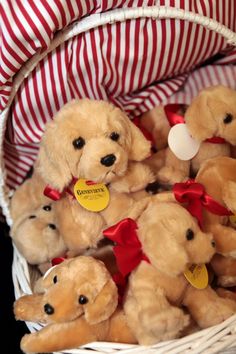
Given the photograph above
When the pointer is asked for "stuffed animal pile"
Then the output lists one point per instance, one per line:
(140, 265)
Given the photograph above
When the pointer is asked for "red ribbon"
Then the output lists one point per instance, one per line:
(128, 249)
(57, 260)
(195, 196)
(55, 195)
(52, 193)
(216, 140)
(171, 114)
(174, 118)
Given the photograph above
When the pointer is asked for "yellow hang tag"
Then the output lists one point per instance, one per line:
(90, 195)
(232, 220)
(197, 276)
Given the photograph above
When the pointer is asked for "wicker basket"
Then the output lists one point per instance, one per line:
(220, 338)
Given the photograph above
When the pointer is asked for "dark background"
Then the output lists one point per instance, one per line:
(11, 330)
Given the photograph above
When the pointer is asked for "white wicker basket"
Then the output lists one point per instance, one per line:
(220, 338)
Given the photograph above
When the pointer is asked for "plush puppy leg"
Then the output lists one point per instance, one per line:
(137, 177)
(174, 171)
(206, 307)
(59, 336)
(149, 314)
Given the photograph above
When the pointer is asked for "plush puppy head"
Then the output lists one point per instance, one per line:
(76, 287)
(28, 196)
(36, 235)
(172, 239)
(89, 139)
(213, 113)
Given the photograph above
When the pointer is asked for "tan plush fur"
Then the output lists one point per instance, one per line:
(157, 289)
(28, 196)
(105, 132)
(207, 116)
(219, 179)
(94, 121)
(36, 235)
(70, 324)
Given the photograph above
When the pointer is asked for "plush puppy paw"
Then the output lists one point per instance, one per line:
(216, 312)
(167, 324)
(169, 175)
(28, 345)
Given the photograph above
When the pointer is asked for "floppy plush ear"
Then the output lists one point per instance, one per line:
(163, 250)
(199, 118)
(140, 147)
(52, 163)
(229, 195)
(104, 304)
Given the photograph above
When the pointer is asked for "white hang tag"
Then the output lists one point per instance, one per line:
(181, 143)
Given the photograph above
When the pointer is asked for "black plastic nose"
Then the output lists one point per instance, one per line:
(48, 309)
(108, 160)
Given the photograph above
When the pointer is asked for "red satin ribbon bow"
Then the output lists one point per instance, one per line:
(195, 196)
(57, 260)
(54, 194)
(174, 118)
(127, 249)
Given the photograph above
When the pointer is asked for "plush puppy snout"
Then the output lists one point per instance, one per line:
(108, 160)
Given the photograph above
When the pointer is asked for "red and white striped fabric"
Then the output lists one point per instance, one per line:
(136, 64)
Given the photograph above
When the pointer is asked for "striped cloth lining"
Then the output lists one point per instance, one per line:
(136, 65)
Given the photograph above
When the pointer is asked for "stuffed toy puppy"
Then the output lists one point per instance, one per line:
(218, 176)
(95, 141)
(78, 305)
(210, 120)
(89, 139)
(171, 241)
(37, 236)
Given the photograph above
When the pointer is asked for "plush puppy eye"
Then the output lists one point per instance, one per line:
(83, 299)
(52, 226)
(32, 216)
(47, 208)
(55, 279)
(228, 118)
(189, 234)
(114, 136)
(78, 143)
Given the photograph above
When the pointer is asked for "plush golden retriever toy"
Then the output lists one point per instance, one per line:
(37, 237)
(34, 228)
(169, 240)
(78, 305)
(95, 141)
(210, 120)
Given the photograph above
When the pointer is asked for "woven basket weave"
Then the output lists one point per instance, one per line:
(220, 338)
